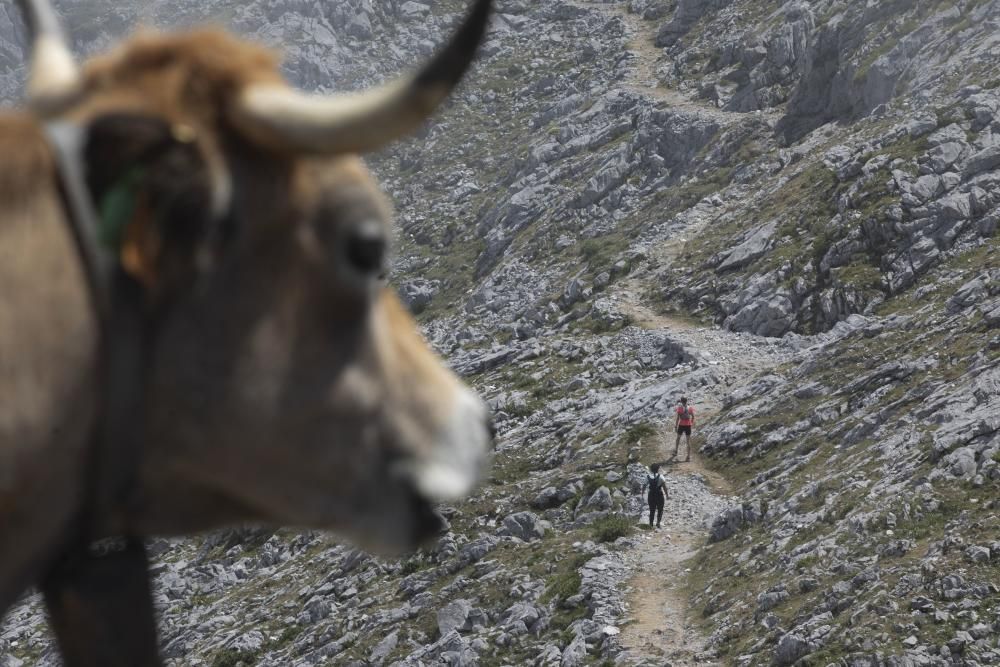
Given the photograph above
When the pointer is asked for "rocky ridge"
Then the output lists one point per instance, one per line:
(785, 212)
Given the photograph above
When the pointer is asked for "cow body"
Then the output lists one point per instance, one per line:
(47, 343)
(285, 383)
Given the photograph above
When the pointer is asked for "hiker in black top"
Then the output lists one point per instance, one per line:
(657, 492)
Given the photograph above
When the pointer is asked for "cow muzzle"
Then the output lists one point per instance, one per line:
(461, 454)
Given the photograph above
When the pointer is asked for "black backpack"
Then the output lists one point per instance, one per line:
(654, 482)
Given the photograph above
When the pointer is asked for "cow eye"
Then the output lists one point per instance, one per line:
(366, 250)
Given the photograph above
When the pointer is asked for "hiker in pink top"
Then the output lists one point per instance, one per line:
(683, 424)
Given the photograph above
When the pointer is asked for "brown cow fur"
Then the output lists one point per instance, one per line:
(46, 357)
(195, 73)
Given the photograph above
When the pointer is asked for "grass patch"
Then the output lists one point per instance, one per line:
(564, 585)
(454, 270)
(229, 657)
(592, 481)
(601, 252)
(859, 275)
(639, 432)
(410, 566)
(806, 562)
(609, 528)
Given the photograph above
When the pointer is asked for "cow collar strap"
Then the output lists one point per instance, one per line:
(125, 336)
(67, 143)
(96, 592)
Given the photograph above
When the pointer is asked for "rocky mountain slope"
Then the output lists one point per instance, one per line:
(785, 211)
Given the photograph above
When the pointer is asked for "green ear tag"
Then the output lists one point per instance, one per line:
(118, 207)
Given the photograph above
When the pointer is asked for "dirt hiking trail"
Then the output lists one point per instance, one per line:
(659, 626)
(659, 629)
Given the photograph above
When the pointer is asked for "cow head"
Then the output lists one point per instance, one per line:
(287, 383)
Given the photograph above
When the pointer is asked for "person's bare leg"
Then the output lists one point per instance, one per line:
(677, 444)
(687, 441)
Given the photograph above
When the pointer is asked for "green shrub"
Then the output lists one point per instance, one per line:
(610, 528)
(230, 657)
(642, 431)
(806, 562)
(592, 482)
(410, 566)
(564, 585)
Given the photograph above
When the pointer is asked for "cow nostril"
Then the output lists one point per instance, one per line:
(366, 250)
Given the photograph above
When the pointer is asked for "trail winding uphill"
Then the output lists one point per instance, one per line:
(643, 76)
(732, 356)
(658, 626)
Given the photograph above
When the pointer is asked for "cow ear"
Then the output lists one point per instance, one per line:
(151, 190)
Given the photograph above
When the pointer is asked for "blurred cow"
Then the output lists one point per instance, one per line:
(282, 380)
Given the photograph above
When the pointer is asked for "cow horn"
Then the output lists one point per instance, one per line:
(54, 78)
(359, 122)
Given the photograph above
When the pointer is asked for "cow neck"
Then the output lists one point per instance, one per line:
(124, 342)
